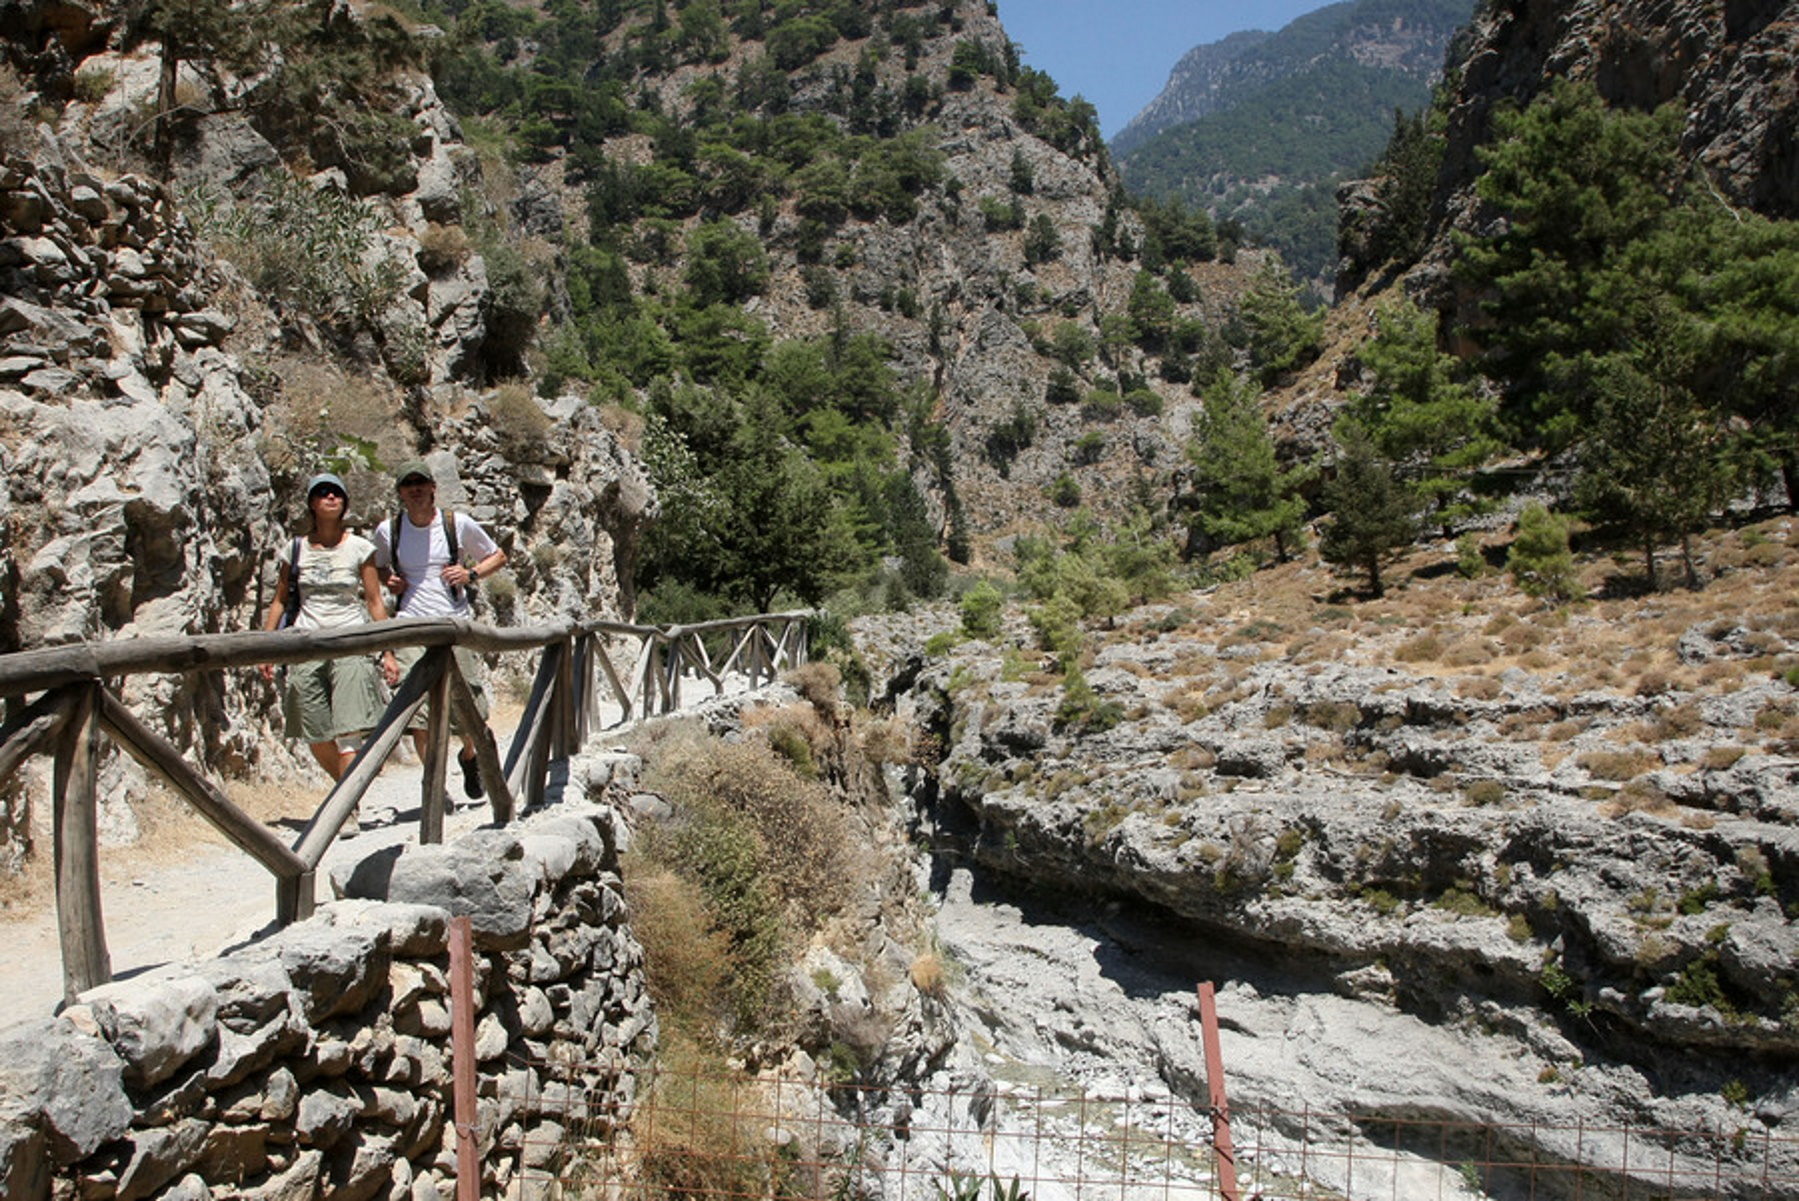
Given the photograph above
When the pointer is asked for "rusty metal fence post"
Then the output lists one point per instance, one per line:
(462, 1058)
(1221, 1108)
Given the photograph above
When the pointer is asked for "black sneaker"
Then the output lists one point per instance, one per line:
(471, 777)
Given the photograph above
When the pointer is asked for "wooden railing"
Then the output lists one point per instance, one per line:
(74, 706)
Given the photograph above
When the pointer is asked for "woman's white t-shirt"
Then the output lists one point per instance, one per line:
(422, 556)
(331, 583)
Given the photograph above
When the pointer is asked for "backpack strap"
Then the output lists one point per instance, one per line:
(450, 535)
(292, 613)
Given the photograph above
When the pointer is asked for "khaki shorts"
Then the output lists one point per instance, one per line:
(333, 698)
(468, 663)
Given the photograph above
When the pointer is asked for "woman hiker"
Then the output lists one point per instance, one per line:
(328, 581)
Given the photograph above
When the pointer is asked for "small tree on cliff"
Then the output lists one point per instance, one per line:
(1373, 515)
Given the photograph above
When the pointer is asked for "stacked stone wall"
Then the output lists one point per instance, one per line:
(317, 1062)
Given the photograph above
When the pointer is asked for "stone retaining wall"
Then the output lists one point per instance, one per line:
(317, 1062)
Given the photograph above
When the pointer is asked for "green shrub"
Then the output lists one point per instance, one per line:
(942, 643)
(308, 246)
(1065, 491)
(981, 608)
(1539, 560)
(1081, 709)
(1144, 402)
(92, 84)
(1102, 404)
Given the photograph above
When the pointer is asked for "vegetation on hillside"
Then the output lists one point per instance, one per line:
(1637, 332)
(793, 468)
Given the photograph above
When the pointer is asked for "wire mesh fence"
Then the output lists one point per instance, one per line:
(695, 1135)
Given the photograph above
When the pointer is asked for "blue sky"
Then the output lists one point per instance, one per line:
(1118, 54)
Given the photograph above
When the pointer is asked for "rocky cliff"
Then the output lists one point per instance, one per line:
(1572, 833)
(161, 404)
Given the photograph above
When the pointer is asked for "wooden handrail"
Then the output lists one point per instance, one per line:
(77, 707)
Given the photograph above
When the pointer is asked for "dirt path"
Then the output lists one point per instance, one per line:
(196, 895)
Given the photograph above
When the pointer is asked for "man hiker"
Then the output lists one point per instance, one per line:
(433, 561)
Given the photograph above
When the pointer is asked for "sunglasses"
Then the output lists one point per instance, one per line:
(327, 490)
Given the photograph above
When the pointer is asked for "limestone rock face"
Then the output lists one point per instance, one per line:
(1392, 831)
(137, 459)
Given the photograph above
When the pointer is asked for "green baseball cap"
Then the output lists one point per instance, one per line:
(414, 469)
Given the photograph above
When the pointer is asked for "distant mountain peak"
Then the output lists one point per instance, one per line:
(1260, 127)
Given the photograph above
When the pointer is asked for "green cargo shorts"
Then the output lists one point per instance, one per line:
(333, 698)
(468, 663)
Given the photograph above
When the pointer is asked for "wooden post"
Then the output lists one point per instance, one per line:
(156, 754)
(85, 962)
(1221, 1107)
(566, 741)
(620, 692)
(435, 769)
(487, 754)
(462, 1058)
(295, 897)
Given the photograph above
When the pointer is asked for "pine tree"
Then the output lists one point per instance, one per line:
(1655, 458)
(1240, 491)
(1435, 428)
(1578, 185)
(1280, 335)
(1372, 513)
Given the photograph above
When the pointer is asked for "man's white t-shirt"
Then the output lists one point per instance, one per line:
(422, 556)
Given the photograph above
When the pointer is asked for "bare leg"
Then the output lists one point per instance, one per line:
(335, 761)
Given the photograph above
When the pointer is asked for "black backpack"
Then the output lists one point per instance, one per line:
(290, 612)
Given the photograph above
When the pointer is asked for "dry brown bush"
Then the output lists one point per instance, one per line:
(1421, 649)
(1468, 652)
(1681, 721)
(893, 740)
(519, 422)
(1722, 758)
(1618, 766)
(928, 974)
(1479, 688)
(443, 248)
(688, 959)
(821, 683)
(699, 1133)
(316, 412)
(1639, 796)
(807, 849)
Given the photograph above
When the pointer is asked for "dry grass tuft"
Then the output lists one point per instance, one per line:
(928, 974)
(894, 741)
(821, 683)
(1618, 766)
(1639, 796)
